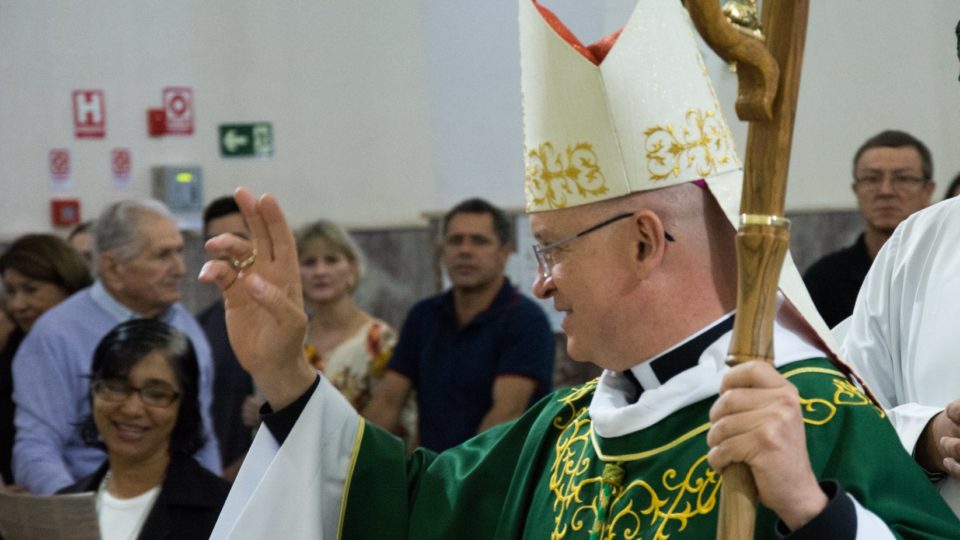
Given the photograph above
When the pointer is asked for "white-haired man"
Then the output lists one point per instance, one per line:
(140, 267)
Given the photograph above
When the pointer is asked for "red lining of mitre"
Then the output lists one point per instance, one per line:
(595, 53)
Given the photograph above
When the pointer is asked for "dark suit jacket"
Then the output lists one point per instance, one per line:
(188, 504)
(231, 386)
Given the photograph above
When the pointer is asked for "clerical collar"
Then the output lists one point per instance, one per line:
(681, 357)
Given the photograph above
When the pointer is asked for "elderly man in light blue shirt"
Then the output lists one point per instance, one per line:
(139, 260)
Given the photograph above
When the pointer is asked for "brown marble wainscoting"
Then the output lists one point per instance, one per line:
(402, 267)
(400, 270)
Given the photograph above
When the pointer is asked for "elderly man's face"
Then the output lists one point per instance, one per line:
(149, 283)
(587, 281)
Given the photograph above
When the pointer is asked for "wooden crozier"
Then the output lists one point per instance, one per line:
(769, 77)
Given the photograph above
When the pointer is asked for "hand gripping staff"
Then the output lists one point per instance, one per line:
(769, 77)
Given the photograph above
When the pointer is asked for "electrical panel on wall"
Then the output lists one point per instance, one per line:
(180, 187)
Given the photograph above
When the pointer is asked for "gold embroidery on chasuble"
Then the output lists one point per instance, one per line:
(848, 394)
(818, 411)
(592, 496)
(551, 177)
(702, 145)
(595, 493)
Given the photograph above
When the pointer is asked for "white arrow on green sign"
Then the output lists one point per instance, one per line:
(246, 140)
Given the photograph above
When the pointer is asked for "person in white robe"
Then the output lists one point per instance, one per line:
(904, 338)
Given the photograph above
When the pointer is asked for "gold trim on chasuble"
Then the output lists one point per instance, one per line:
(353, 463)
(608, 509)
(819, 411)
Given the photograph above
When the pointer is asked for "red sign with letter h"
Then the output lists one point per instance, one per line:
(89, 114)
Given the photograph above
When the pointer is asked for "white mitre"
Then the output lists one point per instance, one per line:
(639, 114)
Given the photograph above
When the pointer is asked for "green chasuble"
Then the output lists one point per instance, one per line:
(548, 475)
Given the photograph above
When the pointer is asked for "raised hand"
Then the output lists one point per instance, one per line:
(757, 420)
(260, 282)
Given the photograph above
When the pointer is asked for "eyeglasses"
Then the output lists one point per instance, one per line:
(152, 395)
(901, 183)
(544, 253)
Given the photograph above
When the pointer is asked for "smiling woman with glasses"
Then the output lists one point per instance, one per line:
(146, 414)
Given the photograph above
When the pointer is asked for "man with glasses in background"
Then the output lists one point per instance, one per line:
(892, 179)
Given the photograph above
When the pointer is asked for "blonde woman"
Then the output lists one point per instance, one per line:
(350, 346)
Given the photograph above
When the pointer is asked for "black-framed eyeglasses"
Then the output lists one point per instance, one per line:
(152, 395)
(901, 183)
(544, 253)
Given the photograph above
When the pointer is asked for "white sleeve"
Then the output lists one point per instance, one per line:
(869, 525)
(909, 420)
(295, 491)
(871, 340)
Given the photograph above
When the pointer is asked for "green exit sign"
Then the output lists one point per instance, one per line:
(246, 140)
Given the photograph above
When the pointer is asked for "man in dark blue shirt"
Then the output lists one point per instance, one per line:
(478, 354)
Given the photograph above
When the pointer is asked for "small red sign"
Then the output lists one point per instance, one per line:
(178, 106)
(120, 164)
(89, 114)
(64, 212)
(156, 122)
(60, 164)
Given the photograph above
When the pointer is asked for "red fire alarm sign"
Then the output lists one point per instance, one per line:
(178, 106)
(64, 212)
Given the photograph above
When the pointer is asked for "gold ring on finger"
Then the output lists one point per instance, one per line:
(241, 265)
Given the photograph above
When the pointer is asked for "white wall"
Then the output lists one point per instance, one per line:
(384, 110)
(343, 82)
(872, 65)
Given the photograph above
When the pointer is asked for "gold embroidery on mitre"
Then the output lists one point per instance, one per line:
(551, 177)
(703, 145)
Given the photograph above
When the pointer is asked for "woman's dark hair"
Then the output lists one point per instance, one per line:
(47, 258)
(129, 343)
